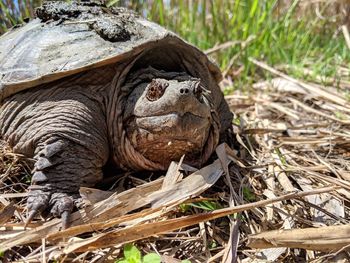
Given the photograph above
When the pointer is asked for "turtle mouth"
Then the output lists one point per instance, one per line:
(176, 124)
(187, 129)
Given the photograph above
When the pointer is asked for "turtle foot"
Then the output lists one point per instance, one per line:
(57, 204)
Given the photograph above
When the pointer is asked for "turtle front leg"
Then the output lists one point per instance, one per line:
(61, 167)
(63, 127)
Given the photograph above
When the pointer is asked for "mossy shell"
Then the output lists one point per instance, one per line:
(66, 39)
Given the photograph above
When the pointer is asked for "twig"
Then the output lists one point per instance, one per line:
(137, 232)
(346, 34)
(321, 92)
(223, 46)
(327, 238)
(309, 109)
(234, 58)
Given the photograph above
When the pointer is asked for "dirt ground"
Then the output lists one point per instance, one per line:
(279, 191)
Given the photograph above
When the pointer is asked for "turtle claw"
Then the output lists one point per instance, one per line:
(65, 216)
(62, 206)
(37, 202)
(30, 217)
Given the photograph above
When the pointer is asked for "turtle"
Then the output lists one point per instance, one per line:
(83, 85)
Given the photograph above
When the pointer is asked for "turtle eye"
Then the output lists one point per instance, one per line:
(156, 89)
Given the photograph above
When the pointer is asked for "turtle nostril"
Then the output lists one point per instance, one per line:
(184, 90)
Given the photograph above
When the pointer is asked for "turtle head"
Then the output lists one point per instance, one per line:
(167, 118)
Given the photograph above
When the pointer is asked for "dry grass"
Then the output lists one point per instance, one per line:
(289, 170)
(324, 9)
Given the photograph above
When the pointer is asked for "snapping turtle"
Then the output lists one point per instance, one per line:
(82, 85)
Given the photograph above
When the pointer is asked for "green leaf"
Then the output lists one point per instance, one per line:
(281, 156)
(122, 261)
(213, 244)
(151, 258)
(185, 207)
(112, 3)
(253, 8)
(207, 205)
(185, 261)
(248, 195)
(132, 254)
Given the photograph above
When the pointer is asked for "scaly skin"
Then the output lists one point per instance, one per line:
(70, 129)
(63, 129)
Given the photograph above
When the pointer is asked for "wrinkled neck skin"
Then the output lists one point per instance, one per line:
(155, 117)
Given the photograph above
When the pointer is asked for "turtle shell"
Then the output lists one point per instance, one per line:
(65, 39)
